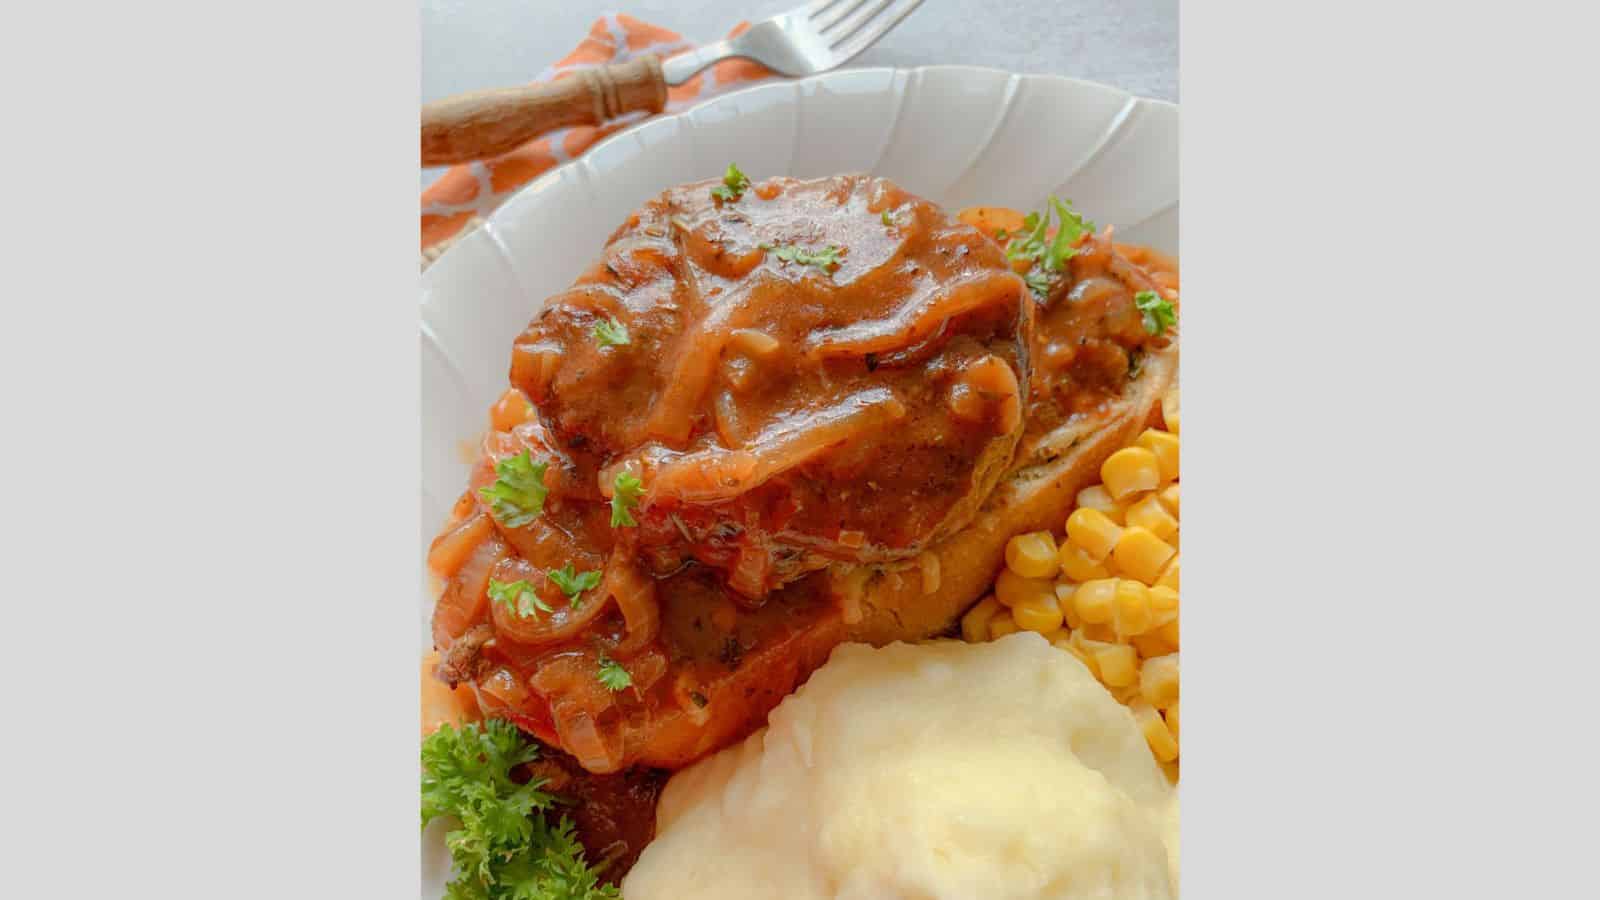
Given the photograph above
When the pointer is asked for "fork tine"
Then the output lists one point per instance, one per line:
(847, 46)
(815, 6)
(862, 14)
(826, 20)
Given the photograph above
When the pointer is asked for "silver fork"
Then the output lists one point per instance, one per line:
(816, 37)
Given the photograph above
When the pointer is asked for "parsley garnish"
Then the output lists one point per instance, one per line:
(624, 497)
(613, 675)
(517, 495)
(505, 846)
(734, 184)
(1038, 282)
(1158, 313)
(887, 218)
(1048, 256)
(518, 596)
(572, 583)
(1029, 242)
(826, 259)
(610, 333)
(1072, 227)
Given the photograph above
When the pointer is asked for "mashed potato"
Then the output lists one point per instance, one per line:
(944, 770)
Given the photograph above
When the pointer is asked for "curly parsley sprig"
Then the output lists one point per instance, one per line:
(734, 184)
(517, 496)
(517, 596)
(1158, 314)
(613, 675)
(1048, 255)
(573, 583)
(611, 333)
(826, 259)
(624, 499)
(504, 847)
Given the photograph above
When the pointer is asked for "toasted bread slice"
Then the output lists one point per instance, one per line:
(911, 603)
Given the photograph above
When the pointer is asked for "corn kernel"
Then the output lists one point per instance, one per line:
(1169, 633)
(1156, 734)
(1086, 659)
(1002, 624)
(1164, 445)
(1094, 531)
(1169, 410)
(1172, 719)
(1088, 650)
(1041, 614)
(1100, 631)
(1093, 600)
(1080, 640)
(1069, 612)
(1130, 470)
(1033, 555)
(1169, 575)
(1119, 665)
(1074, 645)
(1158, 681)
(1132, 609)
(1097, 497)
(1141, 554)
(1149, 514)
(975, 624)
(1163, 604)
(1128, 693)
(1077, 565)
(1169, 498)
(1012, 589)
(1151, 645)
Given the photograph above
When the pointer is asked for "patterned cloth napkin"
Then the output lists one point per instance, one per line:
(459, 200)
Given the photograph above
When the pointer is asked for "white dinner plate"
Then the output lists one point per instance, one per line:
(957, 135)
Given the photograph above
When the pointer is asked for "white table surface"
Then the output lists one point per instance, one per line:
(1130, 44)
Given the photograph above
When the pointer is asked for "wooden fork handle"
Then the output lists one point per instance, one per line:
(488, 123)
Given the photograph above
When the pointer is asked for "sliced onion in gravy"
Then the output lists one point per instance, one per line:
(964, 295)
(714, 473)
